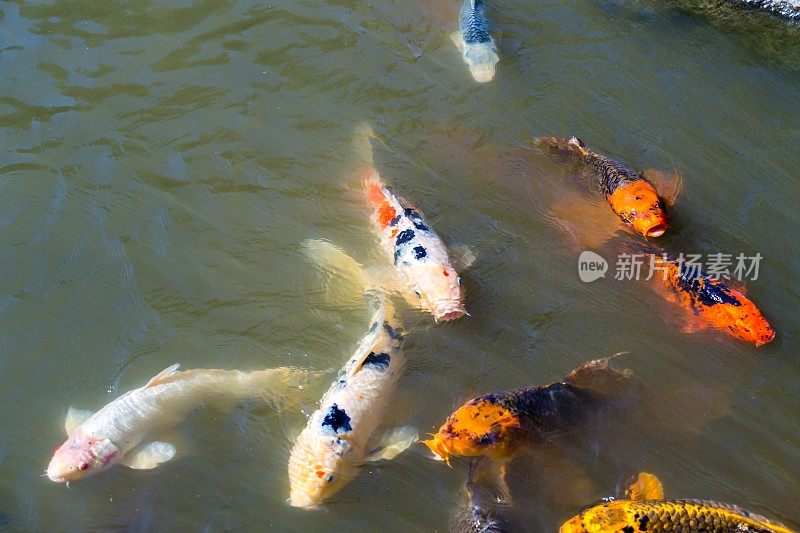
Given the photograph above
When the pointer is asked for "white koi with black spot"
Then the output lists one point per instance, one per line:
(418, 253)
(328, 452)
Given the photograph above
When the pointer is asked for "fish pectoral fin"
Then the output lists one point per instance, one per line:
(74, 418)
(163, 374)
(458, 40)
(461, 256)
(149, 455)
(393, 443)
(345, 278)
(369, 341)
(646, 487)
(669, 186)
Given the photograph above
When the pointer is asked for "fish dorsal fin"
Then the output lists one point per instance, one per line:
(148, 455)
(393, 443)
(365, 348)
(155, 380)
(407, 204)
(646, 487)
(74, 418)
(461, 257)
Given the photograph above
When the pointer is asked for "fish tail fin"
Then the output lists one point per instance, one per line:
(362, 141)
(282, 387)
(572, 146)
(598, 377)
(351, 278)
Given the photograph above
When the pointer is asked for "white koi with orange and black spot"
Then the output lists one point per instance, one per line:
(332, 446)
(417, 252)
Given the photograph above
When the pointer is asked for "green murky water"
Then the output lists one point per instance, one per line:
(161, 162)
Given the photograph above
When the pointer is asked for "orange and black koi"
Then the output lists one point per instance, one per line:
(713, 303)
(630, 195)
(495, 425)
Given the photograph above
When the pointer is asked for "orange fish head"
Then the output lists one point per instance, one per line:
(439, 290)
(745, 321)
(479, 427)
(638, 204)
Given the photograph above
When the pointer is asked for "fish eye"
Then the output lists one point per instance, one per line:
(460, 281)
(83, 465)
(633, 214)
(417, 293)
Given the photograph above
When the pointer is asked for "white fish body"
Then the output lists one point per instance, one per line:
(121, 432)
(328, 452)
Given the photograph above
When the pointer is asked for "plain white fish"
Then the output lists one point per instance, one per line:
(131, 429)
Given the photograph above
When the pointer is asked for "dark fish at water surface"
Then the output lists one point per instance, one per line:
(631, 196)
(645, 509)
(474, 40)
(495, 425)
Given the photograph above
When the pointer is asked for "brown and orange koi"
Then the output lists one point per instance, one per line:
(712, 303)
(645, 509)
(417, 252)
(629, 193)
(496, 425)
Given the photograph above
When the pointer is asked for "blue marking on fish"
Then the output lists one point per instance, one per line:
(337, 419)
(473, 22)
(378, 360)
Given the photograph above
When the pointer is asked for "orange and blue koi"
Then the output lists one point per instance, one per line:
(634, 199)
(713, 303)
(495, 425)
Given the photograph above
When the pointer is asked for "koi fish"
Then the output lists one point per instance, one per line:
(712, 303)
(418, 253)
(629, 193)
(495, 425)
(124, 431)
(328, 452)
(474, 40)
(645, 509)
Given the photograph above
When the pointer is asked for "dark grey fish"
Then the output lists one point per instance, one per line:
(474, 39)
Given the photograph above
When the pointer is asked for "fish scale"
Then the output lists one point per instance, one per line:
(627, 516)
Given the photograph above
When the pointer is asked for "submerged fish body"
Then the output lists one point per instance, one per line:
(332, 446)
(417, 252)
(712, 303)
(474, 40)
(631, 196)
(122, 431)
(494, 425)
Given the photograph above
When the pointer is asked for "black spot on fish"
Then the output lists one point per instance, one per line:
(330, 478)
(380, 360)
(394, 334)
(404, 236)
(419, 252)
(489, 438)
(707, 293)
(337, 419)
(643, 523)
(416, 219)
(627, 529)
(394, 221)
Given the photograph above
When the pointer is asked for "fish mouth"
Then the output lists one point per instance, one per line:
(55, 478)
(304, 501)
(656, 231)
(450, 315)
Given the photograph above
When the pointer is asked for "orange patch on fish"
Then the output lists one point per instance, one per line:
(479, 427)
(638, 204)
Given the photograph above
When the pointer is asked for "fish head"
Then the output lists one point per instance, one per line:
(481, 59)
(637, 203)
(744, 321)
(81, 456)
(319, 466)
(439, 290)
(480, 427)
